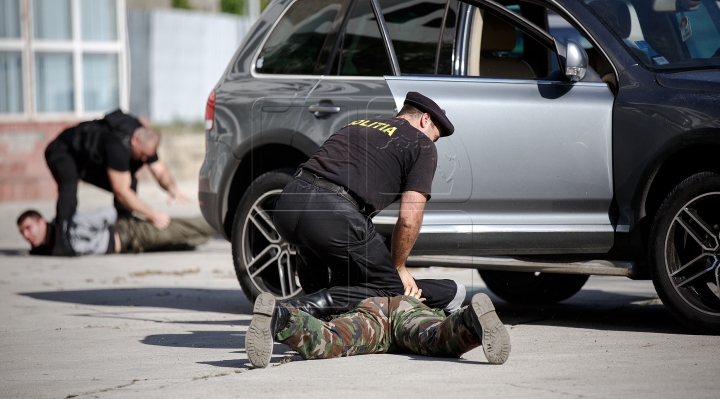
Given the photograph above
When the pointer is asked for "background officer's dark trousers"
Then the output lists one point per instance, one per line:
(66, 172)
(339, 249)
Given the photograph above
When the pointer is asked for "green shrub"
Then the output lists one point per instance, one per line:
(239, 6)
(233, 6)
(181, 4)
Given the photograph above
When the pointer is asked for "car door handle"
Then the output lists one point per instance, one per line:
(327, 109)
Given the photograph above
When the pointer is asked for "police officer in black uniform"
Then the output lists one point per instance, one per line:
(326, 210)
(106, 153)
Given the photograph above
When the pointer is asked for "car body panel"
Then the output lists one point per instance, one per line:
(547, 174)
(215, 176)
(652, 123)
(515, 129)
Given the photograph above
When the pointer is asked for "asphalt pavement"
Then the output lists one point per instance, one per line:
(173, 325)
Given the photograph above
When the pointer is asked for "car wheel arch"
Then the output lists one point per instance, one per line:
(678, 159)
(271, 155)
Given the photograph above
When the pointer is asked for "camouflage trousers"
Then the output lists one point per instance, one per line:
(380, 325)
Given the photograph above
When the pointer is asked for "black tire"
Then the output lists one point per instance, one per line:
(264, 262)
(684, 247)
(531, 288)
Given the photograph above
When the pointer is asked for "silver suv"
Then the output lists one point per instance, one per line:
(587, 134)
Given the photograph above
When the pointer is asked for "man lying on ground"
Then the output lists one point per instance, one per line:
(101, 232)
(400, 324)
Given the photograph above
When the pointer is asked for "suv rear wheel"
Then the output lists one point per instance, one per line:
(685, 252)
(264, 262)
(529, 287)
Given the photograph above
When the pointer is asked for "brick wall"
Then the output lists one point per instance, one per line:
(23, 171)
(24, 174)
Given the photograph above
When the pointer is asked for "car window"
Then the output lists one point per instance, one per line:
(414, 27)
(501, 50)
(562, 30)
(447, 41)
(296, 42)
(361, 49)
(665, 34)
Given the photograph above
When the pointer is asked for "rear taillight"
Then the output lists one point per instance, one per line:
(210, 111)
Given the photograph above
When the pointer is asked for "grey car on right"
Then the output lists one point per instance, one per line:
(587, 135)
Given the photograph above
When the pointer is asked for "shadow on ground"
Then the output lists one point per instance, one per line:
(216, 340)
(200, 339)
(202, 300)
(412, 357)
(592, 309)
(280, 352)
(14, 252)
(589, 309)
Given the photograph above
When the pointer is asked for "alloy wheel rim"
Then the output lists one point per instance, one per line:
(692, 253)
(269, 259)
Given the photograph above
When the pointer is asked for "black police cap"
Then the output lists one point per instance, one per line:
(426, 105)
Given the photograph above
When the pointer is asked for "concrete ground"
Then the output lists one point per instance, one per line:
(173, 325)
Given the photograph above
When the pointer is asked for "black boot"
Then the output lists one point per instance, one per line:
(267, 320)
(480, 317)
(319, 304)
(62, 245)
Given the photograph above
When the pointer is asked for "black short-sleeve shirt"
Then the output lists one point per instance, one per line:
(118, 155)
(104, 143)
(377, 160)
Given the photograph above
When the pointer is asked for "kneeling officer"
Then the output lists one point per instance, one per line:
(326, 211)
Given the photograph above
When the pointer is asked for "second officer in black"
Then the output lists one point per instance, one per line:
(326, 210)
(106, 153)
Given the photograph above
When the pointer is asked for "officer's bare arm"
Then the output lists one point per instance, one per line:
(412, 205)
(120, 183)
(163, 177)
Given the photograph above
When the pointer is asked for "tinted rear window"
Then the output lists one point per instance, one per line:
(295, 44)
(414, 28)
(362, 52)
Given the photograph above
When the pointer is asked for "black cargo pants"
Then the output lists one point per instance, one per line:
(66, 170)
(339, 249)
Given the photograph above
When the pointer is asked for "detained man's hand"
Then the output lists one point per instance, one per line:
(414, 292)
(178, 196)
(407, 279)
(160, 221)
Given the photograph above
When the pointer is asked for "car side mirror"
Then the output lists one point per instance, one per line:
(576, 61)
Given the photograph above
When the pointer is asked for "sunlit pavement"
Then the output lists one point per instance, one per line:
(173, 325)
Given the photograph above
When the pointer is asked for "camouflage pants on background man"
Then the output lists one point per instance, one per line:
(380, 325)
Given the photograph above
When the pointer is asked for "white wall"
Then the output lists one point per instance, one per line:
(186, 54)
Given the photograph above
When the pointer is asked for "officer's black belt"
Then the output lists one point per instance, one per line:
(321, 182)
